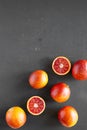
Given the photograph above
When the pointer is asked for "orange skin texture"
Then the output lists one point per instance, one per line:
(68, 116)
(60, 92)
(38, 79)
(15, 117)
(79, 70)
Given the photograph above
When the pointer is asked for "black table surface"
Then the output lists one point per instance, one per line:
(32, 34)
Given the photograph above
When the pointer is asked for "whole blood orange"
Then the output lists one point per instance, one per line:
(15, 117)
(61, 65)
(60, 92)
(68, 116)
(38, 79)
(35, 105)
(79, 70)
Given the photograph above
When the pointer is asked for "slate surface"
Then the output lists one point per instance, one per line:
(32, 34)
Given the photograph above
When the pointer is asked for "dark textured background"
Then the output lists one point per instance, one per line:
(32, 34)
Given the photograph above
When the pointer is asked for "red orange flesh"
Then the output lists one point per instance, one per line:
(36, 105)
(61, 65)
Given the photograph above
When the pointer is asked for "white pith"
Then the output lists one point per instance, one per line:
(61, 65)
(35, 105)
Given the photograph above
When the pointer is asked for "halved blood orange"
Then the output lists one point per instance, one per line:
(36, 105)
(61, 65)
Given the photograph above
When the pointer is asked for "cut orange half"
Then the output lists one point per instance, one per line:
(61, 65)
(35, 105)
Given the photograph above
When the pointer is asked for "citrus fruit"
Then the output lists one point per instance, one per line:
(60, 92)
(38, 79)
(68, 116)
(61, 65)
(79, 70)
(35, 105)
(15, 117)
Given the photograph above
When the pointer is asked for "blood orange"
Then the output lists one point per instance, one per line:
(68, 116)
(79, 70)
(61, 65)
(60, 92)
(35, 105)
(38, 79)
(15, 117)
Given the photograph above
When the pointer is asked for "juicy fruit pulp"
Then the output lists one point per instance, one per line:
(79, 70)
(61, 65)
(68, 116)
(35, 105)
(38, 79)
(15, 117)
(60, 92)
